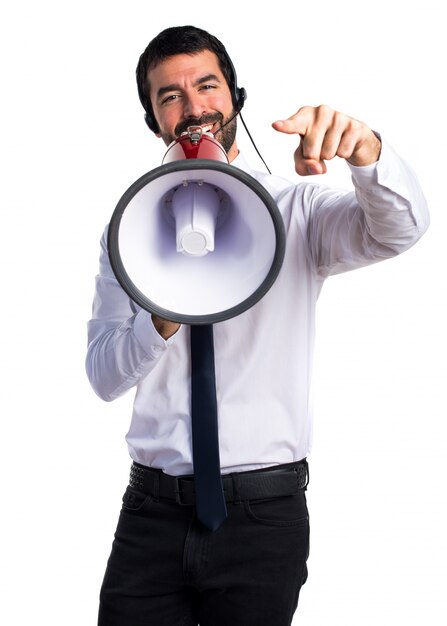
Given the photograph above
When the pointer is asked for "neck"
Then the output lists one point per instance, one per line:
(233, 152)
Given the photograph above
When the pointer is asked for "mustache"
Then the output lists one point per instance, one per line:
(211, 118)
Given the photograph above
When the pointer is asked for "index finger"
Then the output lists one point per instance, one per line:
(296, 124)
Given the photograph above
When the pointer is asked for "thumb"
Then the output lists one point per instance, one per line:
(308, 167)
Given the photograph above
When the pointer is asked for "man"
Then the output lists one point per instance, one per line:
(167, 568)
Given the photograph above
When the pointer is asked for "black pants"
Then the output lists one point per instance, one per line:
(166, 569)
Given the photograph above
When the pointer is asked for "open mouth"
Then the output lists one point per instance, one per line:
(212, 127)
(209, 128)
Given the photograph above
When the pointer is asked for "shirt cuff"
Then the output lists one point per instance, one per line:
(364, 175)
(148, 337)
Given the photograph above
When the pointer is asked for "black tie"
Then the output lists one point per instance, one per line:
(210, 500)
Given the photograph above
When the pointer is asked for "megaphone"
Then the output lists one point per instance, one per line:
(196, 240)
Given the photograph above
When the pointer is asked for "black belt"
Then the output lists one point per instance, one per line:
(271, 482)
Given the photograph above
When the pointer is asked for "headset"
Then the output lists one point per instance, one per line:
(238, 96)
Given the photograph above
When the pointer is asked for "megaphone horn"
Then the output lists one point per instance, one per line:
(196, 240)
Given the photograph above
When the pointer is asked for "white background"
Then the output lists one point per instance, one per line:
(72, 140)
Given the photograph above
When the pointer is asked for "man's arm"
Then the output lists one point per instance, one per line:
(385, 215)
(124, 341)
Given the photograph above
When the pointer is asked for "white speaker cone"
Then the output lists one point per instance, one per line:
(207, 281)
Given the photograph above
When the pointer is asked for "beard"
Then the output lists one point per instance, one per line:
(226, 135)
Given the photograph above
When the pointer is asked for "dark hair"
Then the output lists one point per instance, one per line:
(179, 40)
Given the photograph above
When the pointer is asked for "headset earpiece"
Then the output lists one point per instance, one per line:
(241, 97)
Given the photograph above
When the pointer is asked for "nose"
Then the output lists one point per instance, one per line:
(193, 107)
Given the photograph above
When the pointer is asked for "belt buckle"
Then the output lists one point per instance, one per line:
(178, 491)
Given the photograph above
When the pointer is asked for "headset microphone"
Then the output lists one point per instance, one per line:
(227, 122)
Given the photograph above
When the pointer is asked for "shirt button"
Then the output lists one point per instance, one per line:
(157, 348)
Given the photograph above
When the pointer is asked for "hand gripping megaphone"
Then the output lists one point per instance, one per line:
(196, 240)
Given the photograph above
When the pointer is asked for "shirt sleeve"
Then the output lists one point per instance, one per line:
(385, 215)
(123, 345)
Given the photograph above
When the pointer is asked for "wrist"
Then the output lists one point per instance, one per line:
(164, 328)
(368, 151)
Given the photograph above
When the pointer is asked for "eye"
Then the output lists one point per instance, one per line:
(207, 87)
(170, 98)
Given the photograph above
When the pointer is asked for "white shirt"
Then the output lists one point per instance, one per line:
(263, 356)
